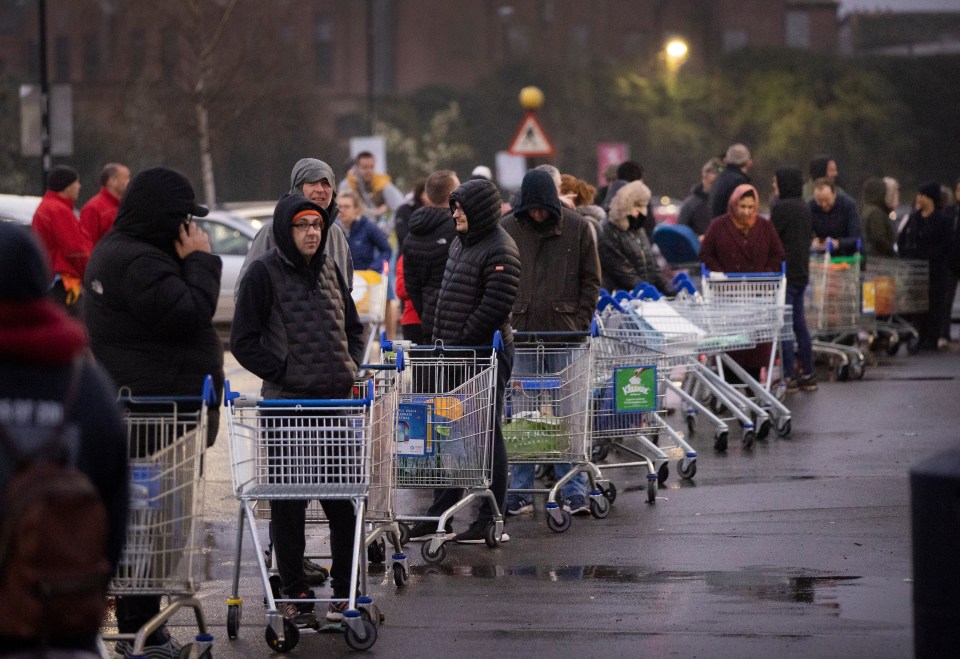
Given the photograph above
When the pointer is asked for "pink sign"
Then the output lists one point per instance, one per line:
(610, 153)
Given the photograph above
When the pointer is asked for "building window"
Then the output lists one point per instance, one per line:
(324, 48)
(61, 59)
(734, 39)
(91, 58)
(168, 53)
(798, 29)
(138, 46)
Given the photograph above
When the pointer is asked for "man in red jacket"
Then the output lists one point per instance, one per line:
(98, 214)
(67, 244)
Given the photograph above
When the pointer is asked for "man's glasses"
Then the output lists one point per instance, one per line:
(303, 226)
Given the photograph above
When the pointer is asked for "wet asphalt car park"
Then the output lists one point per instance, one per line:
(798, 547)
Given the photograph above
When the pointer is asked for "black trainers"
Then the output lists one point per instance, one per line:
(170, 649)
(807, 382)
(315, 573)
(301, 615)
(475, 535)
(423, 531)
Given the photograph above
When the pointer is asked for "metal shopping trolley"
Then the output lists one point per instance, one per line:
(445, 425)
(833, 303)
(545, 418)
(166, 438)
(303, 450)
(370, 296)
(901, 290)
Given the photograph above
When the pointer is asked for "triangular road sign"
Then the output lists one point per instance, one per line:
(530, 139)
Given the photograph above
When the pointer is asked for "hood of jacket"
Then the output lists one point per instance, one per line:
(427, 219)
(310, 170)
(621, 206)
(480, 200)
(538, 191)
(874, 193)
(789, 182)
(738, 192)
(287, 208)
(155, 205)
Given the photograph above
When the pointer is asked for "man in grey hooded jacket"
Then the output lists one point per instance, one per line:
(313, 179)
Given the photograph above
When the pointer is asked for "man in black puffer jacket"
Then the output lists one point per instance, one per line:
(152, 287)
(479, 286)
(431, 232)
(296, 326)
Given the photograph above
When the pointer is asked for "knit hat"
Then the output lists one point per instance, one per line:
(24, 275)
(482, 171)
(60, 177)
(931, 189)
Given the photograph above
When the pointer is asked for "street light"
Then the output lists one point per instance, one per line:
(675, 53)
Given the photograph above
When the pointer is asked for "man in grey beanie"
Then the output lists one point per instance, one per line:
(313, 179)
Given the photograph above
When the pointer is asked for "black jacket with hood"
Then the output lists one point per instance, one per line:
(431, 232)
(149, 312)
(791, 218)
(295, 324)
(559, 266)
(482, 273)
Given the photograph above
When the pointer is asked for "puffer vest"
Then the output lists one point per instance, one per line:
(307, 329)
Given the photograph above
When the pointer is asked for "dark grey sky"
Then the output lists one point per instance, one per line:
(900, 5)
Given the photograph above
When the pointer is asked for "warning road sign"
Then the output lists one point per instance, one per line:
(530, 139)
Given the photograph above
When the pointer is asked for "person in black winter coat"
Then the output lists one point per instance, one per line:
(738, 163)
(153, 286)
(296, 327)
(791, 218)
(626, 258)
(431, 231)
(40, 348)
(479, 286)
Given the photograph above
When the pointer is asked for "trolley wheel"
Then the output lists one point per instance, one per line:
(600, 452)
(291, 636)
(748, 439)
(610, 493)
(692, 423)
(233, 621)
(663, 473)
(490, 536)
(689, 471)
(559, 526)
(433, 556)
(377, 551)
(720, 441)
(651, 490)
(843, 372)
(372, 613)
(358, 642)
(893, 347)
(400, 576)
(600, 507)
(404, 533)
(764, 429)
(783, 429)
(913, 344)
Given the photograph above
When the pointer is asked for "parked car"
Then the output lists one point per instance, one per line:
(18, 208)
(230, 239)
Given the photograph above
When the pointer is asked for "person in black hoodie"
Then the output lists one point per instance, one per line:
(479, 286)
(40, 348)
(152, 287)
(431, 232)
(791, 218)
(296, 327)
(559, 283)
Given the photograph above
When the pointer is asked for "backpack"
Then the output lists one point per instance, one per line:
(53, 541)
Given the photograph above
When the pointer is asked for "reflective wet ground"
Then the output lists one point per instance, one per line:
(798, 547)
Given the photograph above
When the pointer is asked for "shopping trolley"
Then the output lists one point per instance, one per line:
(636, 346)
(165, 445)
(445, 425)
(370, 297)
(901, 290)
(303, 450)
(833, 310)
(546, 415)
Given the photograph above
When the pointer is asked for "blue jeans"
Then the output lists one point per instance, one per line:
(521, 477)
(804, 344)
